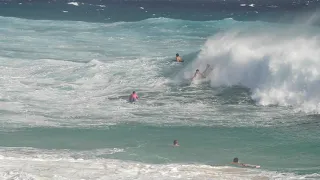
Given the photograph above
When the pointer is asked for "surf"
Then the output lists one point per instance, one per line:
(281, 68)
(71, 84)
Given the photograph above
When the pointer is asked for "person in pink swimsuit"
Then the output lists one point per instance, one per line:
(133, 97)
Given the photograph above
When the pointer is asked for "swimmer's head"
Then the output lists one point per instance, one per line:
(235, 160)
(177, 54)
(175, 142)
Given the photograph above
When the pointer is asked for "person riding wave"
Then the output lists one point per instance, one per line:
(202, 75)
(236, 162)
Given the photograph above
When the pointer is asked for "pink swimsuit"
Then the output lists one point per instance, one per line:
(133, 97)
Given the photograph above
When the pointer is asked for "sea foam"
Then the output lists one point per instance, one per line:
(280, 68)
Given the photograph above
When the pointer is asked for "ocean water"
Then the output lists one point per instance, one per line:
(67, 69)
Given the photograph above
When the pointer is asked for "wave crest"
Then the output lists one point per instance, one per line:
(280, 68)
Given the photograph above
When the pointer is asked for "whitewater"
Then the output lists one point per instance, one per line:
(66, 73)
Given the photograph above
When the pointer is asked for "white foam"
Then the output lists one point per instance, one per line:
(74, 3)
(280, 68)
(29, 163)
(83, 77)
(54, 155)
(272, 6)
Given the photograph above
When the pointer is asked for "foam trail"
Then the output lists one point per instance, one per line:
(281, 68)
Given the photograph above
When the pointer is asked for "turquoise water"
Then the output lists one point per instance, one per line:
(208, 145)
(65, 84)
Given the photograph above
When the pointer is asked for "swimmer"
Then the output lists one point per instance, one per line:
(133, 97)
(175, 143)
(236, 162)
(178, 58)
(199, 74)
